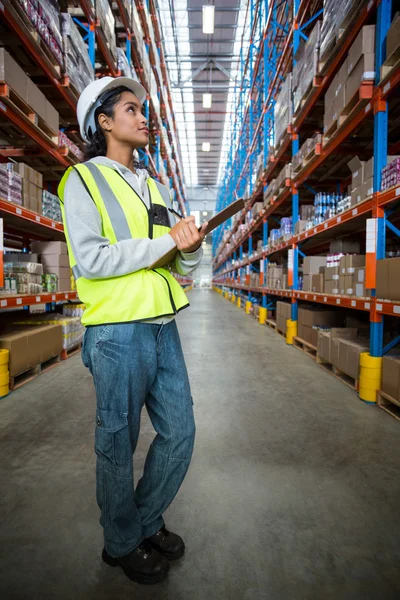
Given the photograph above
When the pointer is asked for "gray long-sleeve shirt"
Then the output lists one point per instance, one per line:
(96, 258)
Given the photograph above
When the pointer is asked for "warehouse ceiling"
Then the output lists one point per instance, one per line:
(200, 63)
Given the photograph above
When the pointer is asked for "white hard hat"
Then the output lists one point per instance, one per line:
(91, 99)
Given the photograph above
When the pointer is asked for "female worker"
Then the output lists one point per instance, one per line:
(118, 223)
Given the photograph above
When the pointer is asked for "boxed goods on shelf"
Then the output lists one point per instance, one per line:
(71, 327)
(32, 183)
(123, 64)
(358, 66)
(10, 184)
(393, 36)
(283, 177)
(54, 256)
(388, 278)
(31, 346)
(325, 337)
(391, 173)
(45, 18)
(269, 194)
(362, 181)
(283, 313)
(345, 355)
(305, 66)
(317, 283)
(65, 142)
(107, 24)
(336, 17)
(391, 376)
(310, 320)
(257, 208)
(283, 111)
(22, 278)
(19, 82)
(75, 55)
(51, 206)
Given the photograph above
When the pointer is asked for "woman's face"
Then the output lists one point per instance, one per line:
(129, 125)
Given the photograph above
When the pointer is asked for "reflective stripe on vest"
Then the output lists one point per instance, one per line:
(137, 296)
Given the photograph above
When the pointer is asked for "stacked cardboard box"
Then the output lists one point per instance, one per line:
(283, 110)
(29, 346)
(337, 14)
(345, 354)
(347, 270)
(269, 194)
(54, 258)
(257, 208)
(14, 76)
(391, 376)
(362, 182)
(325, 339)
(276, 277)
(388, 278)
(359, 66)
(310, 320)
(311, 266)
(305, 66)
(331, 284)
(283, 313)
(75, 53)
(107, 24)
(283, 177)
(32, 184)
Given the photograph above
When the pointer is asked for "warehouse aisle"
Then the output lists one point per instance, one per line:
(292, 493)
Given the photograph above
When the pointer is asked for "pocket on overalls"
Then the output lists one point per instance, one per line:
(112, 439)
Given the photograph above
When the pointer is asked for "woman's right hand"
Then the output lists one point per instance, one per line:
(186, 235)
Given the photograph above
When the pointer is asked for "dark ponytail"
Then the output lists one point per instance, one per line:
(97, 145)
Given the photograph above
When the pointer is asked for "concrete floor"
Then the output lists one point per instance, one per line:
(293, 492)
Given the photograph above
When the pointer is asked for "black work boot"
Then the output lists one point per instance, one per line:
(143, 565)
(167, 543)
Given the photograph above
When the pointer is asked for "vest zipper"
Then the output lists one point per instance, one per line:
(149, 211)
(169, 291)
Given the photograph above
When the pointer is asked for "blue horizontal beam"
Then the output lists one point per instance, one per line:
(391, 344)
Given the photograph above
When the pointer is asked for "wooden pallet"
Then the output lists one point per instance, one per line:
(341, 375)
(305, 347)
(388, 404)
(9, 97)
(30, 374)
(71, 352)
(271, 323)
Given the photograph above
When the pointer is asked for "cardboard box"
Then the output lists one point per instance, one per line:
(356, 167)
(307, 283)
(31, 346)
(393, 36)
(300, 226)
(349, 356)
(332, 274)
(35, 99)
(344, 246)
(362, 45)
(349, 285)
(318, 283)
(54, 260)
(12, 74)
(312, 264)
(27, 173)
(368, 169)
(391, 376)
(331, 287)
(348, 263)
(325, 340)
(382, 278)
(310, 317)
(64, 285)
(363, 71)
(52, 118)
(367, 188)
(356, 195)
(49, 247)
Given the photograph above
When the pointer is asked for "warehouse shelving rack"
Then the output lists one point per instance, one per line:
(23, 223)
(370, 112)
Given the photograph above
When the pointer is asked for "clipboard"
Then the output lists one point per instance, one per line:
(213, 223)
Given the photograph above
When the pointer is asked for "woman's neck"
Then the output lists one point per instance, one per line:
(124, 156)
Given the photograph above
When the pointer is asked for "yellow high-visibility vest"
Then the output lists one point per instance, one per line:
(137, 296)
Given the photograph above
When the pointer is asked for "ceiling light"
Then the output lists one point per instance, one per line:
(207, 100)
(206, 147)
(205, 213)
(208, 19)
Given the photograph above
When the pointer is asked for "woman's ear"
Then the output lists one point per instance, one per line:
(105, 122)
